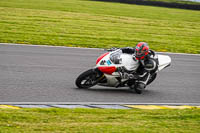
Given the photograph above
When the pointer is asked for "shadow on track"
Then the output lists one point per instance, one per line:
(113, 90)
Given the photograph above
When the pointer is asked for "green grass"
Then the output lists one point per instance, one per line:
(99, 120)
(85, 23)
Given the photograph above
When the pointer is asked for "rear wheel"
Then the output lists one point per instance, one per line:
(152, 78)
(135, 88)
(88, 78)
(138, 90)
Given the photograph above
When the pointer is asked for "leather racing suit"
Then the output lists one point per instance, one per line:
(147, 66)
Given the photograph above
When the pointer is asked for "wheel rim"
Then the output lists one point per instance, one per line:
(89, 80)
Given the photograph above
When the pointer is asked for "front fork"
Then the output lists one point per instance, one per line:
(99, 74)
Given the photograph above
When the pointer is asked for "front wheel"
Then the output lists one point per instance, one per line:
(88, 78)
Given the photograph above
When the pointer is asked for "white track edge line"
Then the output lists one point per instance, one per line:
(50, 46)
(91, 103)
(31, 45)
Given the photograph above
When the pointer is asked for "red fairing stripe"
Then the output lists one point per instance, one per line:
(103, 55)
(107, 69)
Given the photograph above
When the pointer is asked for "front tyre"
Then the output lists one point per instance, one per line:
(88, 78)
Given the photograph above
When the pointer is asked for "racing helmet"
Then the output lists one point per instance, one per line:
(141, 50)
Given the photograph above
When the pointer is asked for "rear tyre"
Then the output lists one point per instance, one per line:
(88, 78)
(152, 78)
(139, 88)
(136, 88)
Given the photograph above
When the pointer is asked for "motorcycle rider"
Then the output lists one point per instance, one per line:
(148, 62)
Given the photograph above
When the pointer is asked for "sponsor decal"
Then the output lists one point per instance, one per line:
(108, 62)
(102, 62)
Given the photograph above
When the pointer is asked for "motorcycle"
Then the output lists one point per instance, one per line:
(117, 69)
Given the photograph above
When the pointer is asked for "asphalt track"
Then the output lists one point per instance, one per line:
(47, 74)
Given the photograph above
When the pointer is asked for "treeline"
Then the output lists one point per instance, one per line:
(158, 3)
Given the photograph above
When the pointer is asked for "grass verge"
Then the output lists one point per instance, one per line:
(99, 120)
(83, 23)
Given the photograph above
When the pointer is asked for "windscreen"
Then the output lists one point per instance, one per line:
(115, 57)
